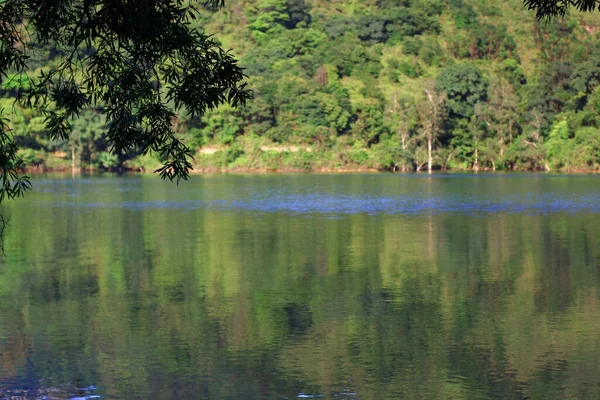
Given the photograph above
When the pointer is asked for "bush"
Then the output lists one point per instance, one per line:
(30, 156)
(411, 46)
(302, 160)
(148, 162)
(408, 69)
(107, 160)
(359, 157)
(233, 153)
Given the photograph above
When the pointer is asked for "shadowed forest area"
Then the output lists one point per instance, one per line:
(377, 84)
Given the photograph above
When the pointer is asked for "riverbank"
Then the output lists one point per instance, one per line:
(37, 170)
(283, 159)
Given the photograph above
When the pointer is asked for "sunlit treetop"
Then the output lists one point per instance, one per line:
(138, 62)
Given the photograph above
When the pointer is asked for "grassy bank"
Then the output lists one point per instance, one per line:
(257, 158)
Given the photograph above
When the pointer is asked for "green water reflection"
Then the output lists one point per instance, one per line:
(110, 281)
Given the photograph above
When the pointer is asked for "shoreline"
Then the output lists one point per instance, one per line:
(266, 171)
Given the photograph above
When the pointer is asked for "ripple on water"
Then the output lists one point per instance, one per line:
(60, 392)
(340, 204)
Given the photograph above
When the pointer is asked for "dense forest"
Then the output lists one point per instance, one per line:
(398, 85)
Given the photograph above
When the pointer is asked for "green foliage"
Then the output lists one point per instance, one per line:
(489, 41)
(365, 84)
(147, 162)
(268, 15)
(464, 13)
(14, 83)
(299, 12)
(411, 46)
(407, 68)
(513, 71)
(465, 86)
(116, 60)
(233, 153)
(107, 160)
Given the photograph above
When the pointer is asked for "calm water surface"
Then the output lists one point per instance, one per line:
(298, 286)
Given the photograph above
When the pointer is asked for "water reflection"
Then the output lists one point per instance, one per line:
(242, 302)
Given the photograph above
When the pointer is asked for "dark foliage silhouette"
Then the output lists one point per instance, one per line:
(553, 8)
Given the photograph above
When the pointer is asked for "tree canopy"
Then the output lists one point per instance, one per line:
(137, 62)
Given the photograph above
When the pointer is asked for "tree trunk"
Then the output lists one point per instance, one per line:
(429, 161)
(72, 157)
(476, 164)
(404, 167)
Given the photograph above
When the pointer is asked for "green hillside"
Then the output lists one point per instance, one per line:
(376, 84)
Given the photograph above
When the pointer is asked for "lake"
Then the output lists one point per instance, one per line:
(374, 286)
